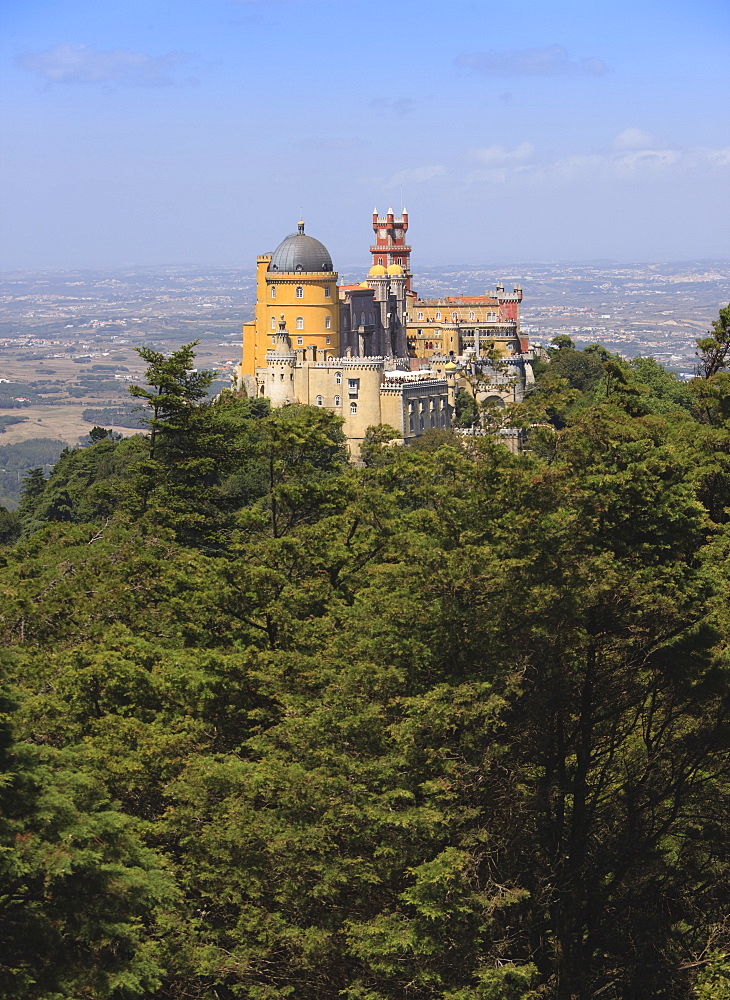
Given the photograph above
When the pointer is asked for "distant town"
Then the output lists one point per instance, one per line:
(67, 338)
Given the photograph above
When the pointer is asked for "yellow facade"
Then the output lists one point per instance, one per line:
(452, 339)
(307, 301)
(449, 326)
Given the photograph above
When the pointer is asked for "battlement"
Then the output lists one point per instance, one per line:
(352, 362)
(390, 219)
(420, 387)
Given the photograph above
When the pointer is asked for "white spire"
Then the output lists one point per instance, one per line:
(390, 210)
(404, 211)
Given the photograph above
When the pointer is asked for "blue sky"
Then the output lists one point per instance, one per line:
(165, 132)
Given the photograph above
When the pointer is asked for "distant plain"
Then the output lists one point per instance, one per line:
(67, 337)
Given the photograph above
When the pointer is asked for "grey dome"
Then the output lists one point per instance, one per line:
(298, 252)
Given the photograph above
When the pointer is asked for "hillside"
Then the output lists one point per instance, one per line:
(451, 725)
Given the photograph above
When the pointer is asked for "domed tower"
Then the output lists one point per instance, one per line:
(296, 282)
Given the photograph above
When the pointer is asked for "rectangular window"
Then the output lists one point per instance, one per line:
(353, 384)
(327, 291)
(328, 340)
(300, 340)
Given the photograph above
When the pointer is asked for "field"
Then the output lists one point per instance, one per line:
(62, 422)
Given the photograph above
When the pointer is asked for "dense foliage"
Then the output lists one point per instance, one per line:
(449, 726)
(17, 459)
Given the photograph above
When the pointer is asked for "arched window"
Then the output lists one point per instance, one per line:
(300, 322)
(472, 317)
(398, 260)
(337, 400)
(420, 316)
(438, 315)
(319, 400)
(273, 322)
(328, 322)
(273, 291)
(454, 316)
(273, 340)
(300, 291)
(353, 407)
(338, 378)
(362, 319)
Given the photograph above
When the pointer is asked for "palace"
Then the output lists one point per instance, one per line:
(374, 352)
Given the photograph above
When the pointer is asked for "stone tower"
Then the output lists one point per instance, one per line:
(390, 242)
(281, 361)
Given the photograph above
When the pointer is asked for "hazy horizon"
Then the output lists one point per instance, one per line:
(349, 266)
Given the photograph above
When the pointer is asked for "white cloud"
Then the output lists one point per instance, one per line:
(83, 64)
(417, 175)
(502, 165)
(716, 157)
(634, 138)
(640, 164)
(546, 60)
(497, 155)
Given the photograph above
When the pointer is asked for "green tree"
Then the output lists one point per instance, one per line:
(203, 462)
(562, 342)
(581, 370)
(10, 526)
(666, 390)
(713, 351)
(375, 448)
(34, 485)
(176, 388)
(303, 449)
(467, 411)
(79, 890)
(97, 434)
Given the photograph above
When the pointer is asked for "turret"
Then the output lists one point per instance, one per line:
(281, 361)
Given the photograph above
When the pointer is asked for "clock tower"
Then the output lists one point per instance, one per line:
(390, 242)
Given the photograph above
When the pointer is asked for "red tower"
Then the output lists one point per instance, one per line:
(390, 241)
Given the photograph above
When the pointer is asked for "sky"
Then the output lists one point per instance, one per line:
(161, 132)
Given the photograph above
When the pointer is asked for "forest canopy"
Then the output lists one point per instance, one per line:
(450, 725)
